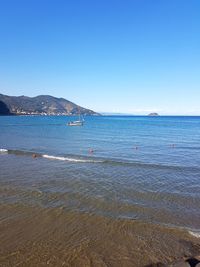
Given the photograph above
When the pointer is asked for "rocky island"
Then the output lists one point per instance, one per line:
(153, 114)
(40, 105)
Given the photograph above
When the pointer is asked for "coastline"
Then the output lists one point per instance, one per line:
(35, 236)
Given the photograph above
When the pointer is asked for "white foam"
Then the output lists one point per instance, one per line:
(53, 157)
(195, 234)
(2, 150)
(69, 159)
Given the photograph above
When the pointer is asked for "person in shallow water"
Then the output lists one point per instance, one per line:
(91, 151)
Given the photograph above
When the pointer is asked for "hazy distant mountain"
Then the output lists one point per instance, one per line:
(41, 105)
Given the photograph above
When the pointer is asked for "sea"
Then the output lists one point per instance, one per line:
(134, 167)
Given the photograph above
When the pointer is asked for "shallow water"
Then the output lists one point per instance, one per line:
(144, 168)
(34, 236)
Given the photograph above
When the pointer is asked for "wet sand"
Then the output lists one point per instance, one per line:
(34, 236)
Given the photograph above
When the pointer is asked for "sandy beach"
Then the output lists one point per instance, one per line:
(33, 236)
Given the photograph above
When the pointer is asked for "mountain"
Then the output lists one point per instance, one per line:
(40, 105)
(4, 109)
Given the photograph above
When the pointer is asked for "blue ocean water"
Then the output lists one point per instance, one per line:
(137, 167)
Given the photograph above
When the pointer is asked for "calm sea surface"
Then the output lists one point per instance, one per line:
(144, 168)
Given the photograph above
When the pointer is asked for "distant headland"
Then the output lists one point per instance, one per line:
(40, 105)
(153, 114)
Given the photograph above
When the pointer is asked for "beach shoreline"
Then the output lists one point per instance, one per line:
(35, 236)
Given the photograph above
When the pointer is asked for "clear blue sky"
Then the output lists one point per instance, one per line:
(125, 56)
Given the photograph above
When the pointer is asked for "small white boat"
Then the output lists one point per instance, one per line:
(76, 123)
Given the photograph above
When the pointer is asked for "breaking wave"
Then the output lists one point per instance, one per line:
(195, 233)
(71, 159)
(2, 150)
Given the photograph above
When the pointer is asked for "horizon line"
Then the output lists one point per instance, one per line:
(132, 114)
